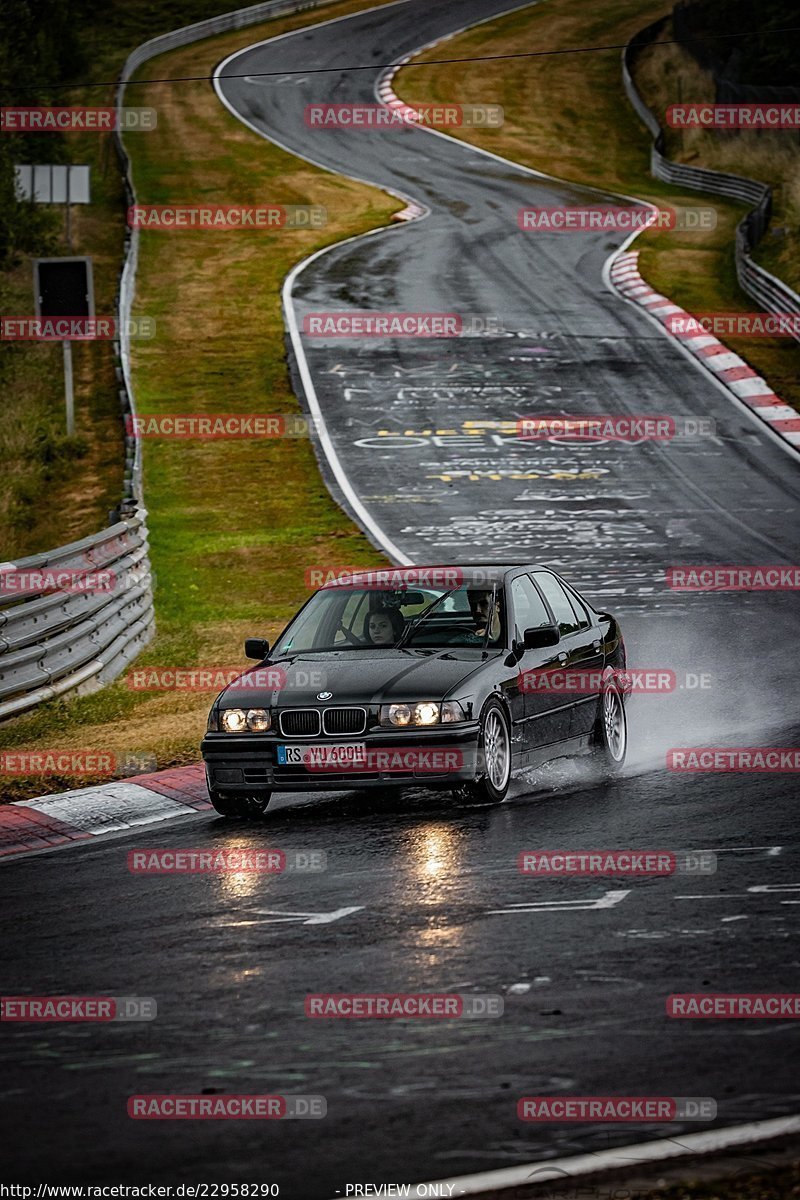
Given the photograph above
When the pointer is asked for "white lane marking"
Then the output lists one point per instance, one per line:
(275, 917)
(775, 887)
(624, 1156)
(724, 896)
(737, 918)
(519, 989)
(607, 900)
(771, 850)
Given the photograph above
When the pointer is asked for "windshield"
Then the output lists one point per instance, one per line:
(374, 618)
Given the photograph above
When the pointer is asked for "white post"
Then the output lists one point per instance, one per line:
(69, 214)
(68, 396)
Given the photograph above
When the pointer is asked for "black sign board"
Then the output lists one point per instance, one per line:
(63, 287)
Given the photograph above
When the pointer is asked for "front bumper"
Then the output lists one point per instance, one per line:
(241, 764)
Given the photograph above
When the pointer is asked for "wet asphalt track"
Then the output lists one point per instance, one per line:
(424, 1100)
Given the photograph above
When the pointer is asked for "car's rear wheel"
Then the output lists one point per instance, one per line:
(494, 760)
(611, 732)
(243, 807)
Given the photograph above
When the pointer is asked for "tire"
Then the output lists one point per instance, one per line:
(244, 807)
(611, 732)
(494, 760)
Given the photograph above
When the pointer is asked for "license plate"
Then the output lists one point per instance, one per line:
(338, 754)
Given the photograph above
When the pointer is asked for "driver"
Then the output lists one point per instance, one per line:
(485, 612)
(384, 626)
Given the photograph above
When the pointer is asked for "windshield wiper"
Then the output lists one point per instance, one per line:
(409, 629)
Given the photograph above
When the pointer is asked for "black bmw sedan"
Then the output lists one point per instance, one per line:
(442, 677)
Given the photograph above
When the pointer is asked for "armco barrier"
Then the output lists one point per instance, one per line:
(73, 627)
(771, 293)
(57, 640)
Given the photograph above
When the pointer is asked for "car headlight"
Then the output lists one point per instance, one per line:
(236, 720)
(259, 720)
(421, 713)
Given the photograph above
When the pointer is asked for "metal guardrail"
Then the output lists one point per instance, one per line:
(63, 631)
(74, 616)
(771, 293)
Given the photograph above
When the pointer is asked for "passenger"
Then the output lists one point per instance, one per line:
(385, 626)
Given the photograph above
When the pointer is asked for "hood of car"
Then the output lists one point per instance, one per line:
(355, 676)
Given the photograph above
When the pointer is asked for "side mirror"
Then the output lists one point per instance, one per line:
(257, 648)
(545, 635)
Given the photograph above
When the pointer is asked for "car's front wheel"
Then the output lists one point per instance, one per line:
(494, 760)
(243, 807)
(611, 735)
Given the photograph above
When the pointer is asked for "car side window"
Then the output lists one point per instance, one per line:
(528, 607)
(579, 608)
(558, 600)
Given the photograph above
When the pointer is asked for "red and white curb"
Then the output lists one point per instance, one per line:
(57, 820)
(727, 367)
(384, 92)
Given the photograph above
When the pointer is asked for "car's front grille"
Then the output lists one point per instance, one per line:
(338, 721)
(300, 722)
(332, 722)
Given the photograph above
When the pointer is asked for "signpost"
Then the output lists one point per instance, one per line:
(53, 183)
(64, 287)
